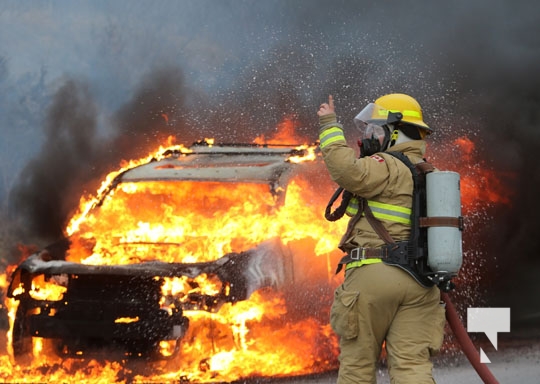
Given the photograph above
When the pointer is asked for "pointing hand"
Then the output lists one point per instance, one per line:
(326, 108)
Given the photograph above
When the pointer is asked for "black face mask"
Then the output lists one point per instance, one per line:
(369, 147)
(372, 145)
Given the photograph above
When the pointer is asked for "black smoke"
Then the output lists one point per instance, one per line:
(41, 195)
(490, 54)
(75, 155)
(472, 65)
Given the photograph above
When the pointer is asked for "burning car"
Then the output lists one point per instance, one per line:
(183, 231)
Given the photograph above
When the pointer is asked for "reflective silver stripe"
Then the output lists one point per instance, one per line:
(329, 136)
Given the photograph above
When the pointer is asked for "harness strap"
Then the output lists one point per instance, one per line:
(424, 167)
(392, 251)
(404, 254)
(396, 252)
(441, 221)
(377, 225)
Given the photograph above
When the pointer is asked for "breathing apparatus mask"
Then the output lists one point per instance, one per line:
(376, 127)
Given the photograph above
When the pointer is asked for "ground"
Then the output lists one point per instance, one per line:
(516, 361)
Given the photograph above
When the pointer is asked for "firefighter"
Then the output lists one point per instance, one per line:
(380, 301)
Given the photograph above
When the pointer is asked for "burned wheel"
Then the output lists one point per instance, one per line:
(158, 353)
(21, 340)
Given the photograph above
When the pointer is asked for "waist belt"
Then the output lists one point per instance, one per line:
(395, 253)
(362, 253)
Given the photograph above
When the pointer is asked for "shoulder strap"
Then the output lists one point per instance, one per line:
(416, 170)
(415, 249)
(376, 224)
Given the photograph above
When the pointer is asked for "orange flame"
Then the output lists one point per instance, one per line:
(263, 336)
(479, 184)
(286, 133)
(233, 342)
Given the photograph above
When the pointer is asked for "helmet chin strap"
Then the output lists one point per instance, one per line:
(391, 124)
(397, 137)
(388, 138)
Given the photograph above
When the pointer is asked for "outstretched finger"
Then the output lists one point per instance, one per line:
(331, 101)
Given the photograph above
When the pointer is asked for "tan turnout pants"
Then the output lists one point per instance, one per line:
(377, 303)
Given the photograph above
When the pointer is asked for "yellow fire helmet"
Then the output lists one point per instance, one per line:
(377, 112)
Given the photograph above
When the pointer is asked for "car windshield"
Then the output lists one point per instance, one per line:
(173, 221)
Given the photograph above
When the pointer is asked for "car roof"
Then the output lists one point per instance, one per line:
(224, 163)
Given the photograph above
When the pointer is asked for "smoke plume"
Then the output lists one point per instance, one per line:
(75, 156)
(472, 66)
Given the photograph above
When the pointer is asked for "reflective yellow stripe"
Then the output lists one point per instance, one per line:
(390, 212)
(359, 263)
(411, 113)
(396, 208)
(384, 112)
(383, 211)
(330, 136)
(352, 207)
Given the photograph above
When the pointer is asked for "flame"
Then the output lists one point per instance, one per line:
(126, 320)
(140, 215)
(262, 336)
(480, 185)
(478, 182)
(239, 216)
(89, 202)
(286, 133)
(195, 222)
(47, 289)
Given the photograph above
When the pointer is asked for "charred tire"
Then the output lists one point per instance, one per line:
(156, 355)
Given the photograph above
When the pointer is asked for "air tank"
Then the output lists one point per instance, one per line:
(444, 242)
